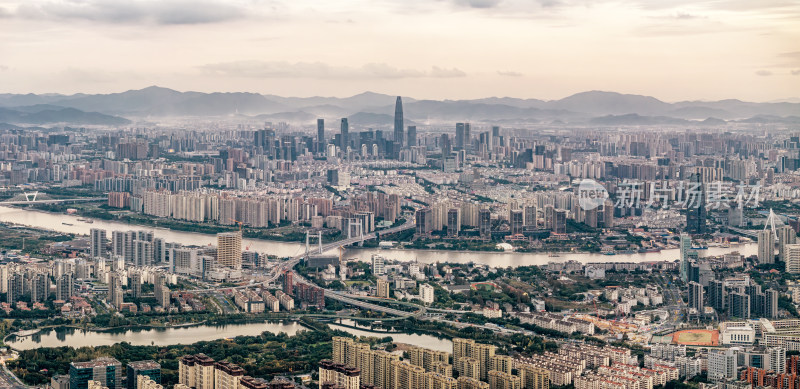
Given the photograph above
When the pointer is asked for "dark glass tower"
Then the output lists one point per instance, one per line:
(345, 140)
(398, 121)
(696, 214)
(320, 135)
(412, 136)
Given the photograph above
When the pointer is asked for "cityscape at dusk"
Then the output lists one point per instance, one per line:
(446, 194)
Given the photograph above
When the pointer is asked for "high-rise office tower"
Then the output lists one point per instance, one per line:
(412, 136)
(345, 137)
(685, 246)
(766, 246)
(696, 213)
(398, 122)
(424, 221)
(530, 215)
(229, 250)
(453, 222)
(739, 306)
(485, 223)
(771, 304)
(320, 135)
(460, 135)
(516, 221)
(696, 296)
(560, 221)
(716, 295)
(97, 246)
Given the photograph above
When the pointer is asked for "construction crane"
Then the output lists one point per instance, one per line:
(247, 248)
(237, 222)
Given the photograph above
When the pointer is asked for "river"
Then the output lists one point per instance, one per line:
(64, 336)
(53, 221)
(421, 340)
(72, 337)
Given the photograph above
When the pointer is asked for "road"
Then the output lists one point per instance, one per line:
(354, 300)
(9, 380)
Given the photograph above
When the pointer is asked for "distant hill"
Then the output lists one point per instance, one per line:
(375, 109)
(633, 119)
(46, 114)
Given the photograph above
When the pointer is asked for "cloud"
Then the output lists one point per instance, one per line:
(509, 73)
(764, 73)
(319, 70)
(3, 68)
(4, 13)
(796, 72)
(133, 11)
(478, 3)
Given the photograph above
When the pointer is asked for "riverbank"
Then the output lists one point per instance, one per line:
(53, 222)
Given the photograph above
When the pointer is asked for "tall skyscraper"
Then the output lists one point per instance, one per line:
(485, 223)
(345, 137)
(516, 220)
(716, 295)
(460, 135)
(320, 135)
(686, 246)
(696, 213)
(412, 136)
(739, 306)
(766, 247)
(786, 235)
(771, 304)
(398, 122)
(229, 250)
(97, 246)
(696, 296)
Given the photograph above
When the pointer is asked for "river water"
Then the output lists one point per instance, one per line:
(420, 340)
(58, 337)
(52, 221)
(72, 337)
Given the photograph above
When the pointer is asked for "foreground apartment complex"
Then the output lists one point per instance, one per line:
(430, 369)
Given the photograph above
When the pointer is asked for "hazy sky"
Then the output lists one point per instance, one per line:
(455, 49)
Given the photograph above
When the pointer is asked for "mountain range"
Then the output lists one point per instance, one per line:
(376, 110)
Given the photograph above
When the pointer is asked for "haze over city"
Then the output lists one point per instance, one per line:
(449, 49)
(399, 194)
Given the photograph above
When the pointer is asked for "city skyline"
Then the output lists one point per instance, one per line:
(455, 49)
